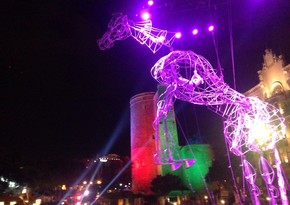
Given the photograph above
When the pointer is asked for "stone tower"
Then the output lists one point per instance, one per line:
(142, 142)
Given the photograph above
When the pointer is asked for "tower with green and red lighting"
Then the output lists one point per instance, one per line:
(142, 142)
(144, 146)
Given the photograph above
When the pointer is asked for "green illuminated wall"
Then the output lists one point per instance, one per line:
(196, 173)
(193, 176)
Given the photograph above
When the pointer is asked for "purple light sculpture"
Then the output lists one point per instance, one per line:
(249, 123)
(121, 28)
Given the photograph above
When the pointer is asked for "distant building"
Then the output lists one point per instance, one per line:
(104, 169)
(109, 157)
(274, 88)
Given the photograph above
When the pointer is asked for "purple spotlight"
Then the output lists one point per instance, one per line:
(194, 31)
(145, 15)
(211, 28)
(150, 3)
(178, 35)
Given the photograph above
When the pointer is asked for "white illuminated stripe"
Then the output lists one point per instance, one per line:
(103, 159)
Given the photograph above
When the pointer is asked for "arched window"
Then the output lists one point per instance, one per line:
(288, 83)
(277, 88)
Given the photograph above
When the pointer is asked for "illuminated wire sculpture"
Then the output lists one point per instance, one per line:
(120, 28)
(249, 123)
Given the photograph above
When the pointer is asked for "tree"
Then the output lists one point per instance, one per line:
(162, 185)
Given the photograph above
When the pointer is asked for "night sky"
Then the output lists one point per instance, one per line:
(62, 96)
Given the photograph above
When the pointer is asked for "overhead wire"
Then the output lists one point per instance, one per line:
(230, 23)
(229, 3)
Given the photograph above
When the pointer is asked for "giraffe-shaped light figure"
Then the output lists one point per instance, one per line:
(191, 78)
(250, 124)
(120, 28)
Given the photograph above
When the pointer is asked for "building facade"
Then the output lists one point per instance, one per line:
(274, 88)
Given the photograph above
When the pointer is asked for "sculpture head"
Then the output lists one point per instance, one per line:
(118, 29)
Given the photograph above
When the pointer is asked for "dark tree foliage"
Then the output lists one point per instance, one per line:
(162, 185)
(3, 186)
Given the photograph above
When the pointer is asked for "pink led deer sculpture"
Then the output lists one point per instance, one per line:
(249, 123)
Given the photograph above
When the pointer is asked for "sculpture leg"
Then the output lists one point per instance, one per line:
(164, 151)
(250, 176)
(281, 183)
(268, 175)
(164, 105)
